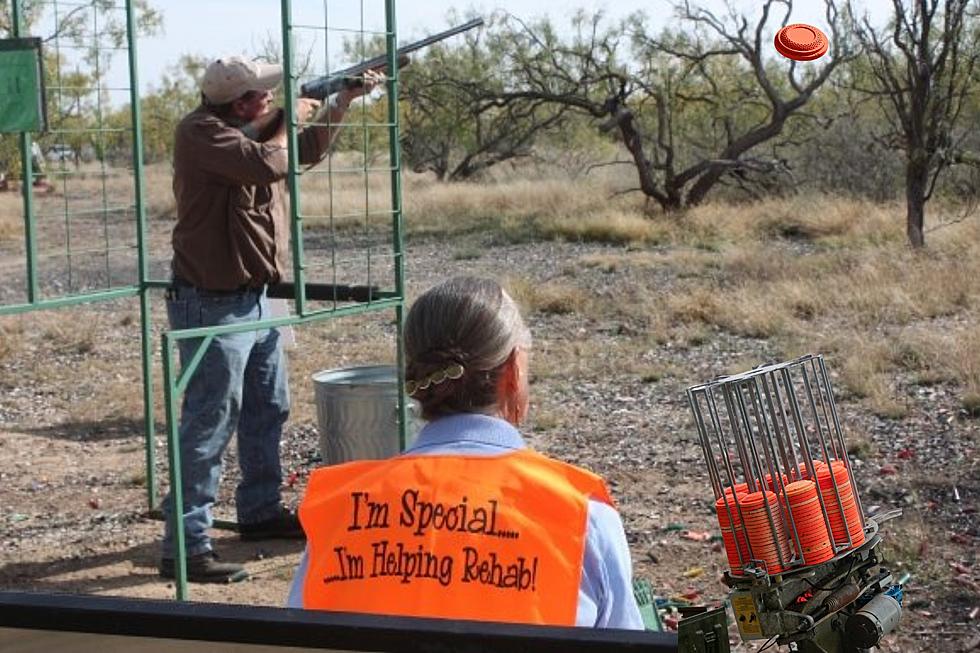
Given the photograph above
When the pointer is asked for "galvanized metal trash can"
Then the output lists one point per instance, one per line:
(357, 413)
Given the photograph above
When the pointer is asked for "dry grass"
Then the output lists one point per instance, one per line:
(556, 298)
(971, 403)
(617, 227)
(817, 219)
(83, 190)
(515, 209)
(854, 272)
(955, 355)
(865, 373)
(869, 363)
(11, 222)
(11, 333)
(159, 193)
(774, 271)
(771, 270)
(811, 273)
(600, 359)
(860, 445)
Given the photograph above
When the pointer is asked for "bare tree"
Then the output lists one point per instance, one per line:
(721, 65)
(269, 50)
(449, 128)
(923, 66)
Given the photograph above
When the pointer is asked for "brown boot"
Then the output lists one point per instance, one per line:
(284, 526)
(205, 568)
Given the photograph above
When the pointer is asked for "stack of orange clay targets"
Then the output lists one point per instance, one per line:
(732, 532)
(757, 520)
(845, 518)
(770, 484)
(811, 529)
(765, 530)
(801, 473)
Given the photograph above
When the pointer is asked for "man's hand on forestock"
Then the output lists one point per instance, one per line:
(328, 118)
(370, 81)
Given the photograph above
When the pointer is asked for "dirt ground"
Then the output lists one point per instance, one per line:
(73, 496)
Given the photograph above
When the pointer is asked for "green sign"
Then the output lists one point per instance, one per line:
(21, 86)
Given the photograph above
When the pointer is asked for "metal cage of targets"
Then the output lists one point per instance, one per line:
(88, 242)
(346, 217)
(785, 493)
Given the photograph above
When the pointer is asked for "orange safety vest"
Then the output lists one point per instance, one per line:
(486, 538)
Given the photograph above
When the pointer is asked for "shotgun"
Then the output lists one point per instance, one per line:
(327, 85)
(263, 127)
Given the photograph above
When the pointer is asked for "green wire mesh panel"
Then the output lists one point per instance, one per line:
(80, 238)
(348, 206)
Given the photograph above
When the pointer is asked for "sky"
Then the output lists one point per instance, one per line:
(211, 28)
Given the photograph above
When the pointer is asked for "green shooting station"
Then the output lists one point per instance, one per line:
(89, 240)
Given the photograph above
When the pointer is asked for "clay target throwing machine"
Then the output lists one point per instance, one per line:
(805, 563)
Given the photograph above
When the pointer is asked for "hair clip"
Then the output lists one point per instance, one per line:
(453, 372)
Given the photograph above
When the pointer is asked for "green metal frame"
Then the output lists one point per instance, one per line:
(174, 383)
(144, 285)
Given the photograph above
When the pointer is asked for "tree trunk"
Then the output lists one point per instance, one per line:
(633, 141)
(916, 183)
(707, 181)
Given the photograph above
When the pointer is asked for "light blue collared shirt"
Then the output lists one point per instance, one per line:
(605, 594)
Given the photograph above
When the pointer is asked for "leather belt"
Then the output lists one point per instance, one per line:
(182, 283)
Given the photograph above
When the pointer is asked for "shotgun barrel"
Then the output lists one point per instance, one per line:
(327, 85)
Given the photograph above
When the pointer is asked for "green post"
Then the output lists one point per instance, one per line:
(394, 154)
(173, 450)
(142, 240)
(27, 181)
(289, 105)
(173, 387)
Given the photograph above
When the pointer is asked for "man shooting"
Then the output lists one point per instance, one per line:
(230, 243)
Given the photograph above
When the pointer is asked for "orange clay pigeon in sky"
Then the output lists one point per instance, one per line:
(801, 42)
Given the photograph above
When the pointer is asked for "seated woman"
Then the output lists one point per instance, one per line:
(468, 523)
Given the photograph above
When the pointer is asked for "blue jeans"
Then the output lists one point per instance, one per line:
(241, 383)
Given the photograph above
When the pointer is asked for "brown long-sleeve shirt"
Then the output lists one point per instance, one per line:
(232, 229)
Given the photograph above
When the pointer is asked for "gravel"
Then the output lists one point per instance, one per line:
(73, 506)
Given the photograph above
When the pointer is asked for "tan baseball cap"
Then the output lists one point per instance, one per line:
(229, 78)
